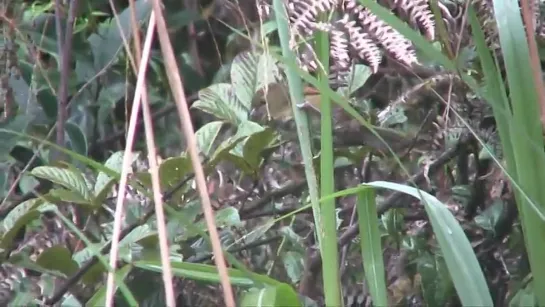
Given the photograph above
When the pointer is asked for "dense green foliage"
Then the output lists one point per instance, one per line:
(302, 148)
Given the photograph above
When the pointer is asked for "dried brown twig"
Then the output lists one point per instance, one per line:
(175, 82)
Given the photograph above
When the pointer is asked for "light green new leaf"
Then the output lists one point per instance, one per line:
(18, 218)
(68, 196)
(282, 295)
(105, 182)
(357, 77)
(64, 177)
(250, 72)
(207, 135)
(245, 130)
(220, 100)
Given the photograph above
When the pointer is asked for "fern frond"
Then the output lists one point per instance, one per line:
(303, 13)
(362, 44)
(418, 14)
(392, 41)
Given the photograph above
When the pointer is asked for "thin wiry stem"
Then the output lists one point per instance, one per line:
(175, 82)
(127, 158)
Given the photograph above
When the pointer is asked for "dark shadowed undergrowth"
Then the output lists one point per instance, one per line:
(356, 153)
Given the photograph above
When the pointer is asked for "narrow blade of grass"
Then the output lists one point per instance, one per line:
(301, 120)
(371, 247)
(526, 131)
(330, 253)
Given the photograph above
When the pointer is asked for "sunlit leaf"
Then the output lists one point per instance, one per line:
(64, 177)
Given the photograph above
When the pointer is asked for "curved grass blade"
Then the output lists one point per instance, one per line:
(460, 258)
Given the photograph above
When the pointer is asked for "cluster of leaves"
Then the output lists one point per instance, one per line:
(231, 103)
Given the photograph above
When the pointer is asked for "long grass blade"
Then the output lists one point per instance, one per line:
(371, 247)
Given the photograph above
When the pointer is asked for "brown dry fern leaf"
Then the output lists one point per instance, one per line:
(392, 41)
(303, 13)
(362, 44)
(416, 12)
(355, 33)
(485, 14)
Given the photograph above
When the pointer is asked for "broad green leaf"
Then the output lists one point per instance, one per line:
(250, 72)
(64, 177)
(48, 102)
(135, 235)
(27, 183)
(103, 194)
(255, 145)
(219, 100)
(282, 295)
(69, 196)
(18, 218)
(25, 297)
(18, 123)
(524, 297)
(225, 217)
(357, 77)
(178, 20)
(245, 129)
(108, 42)
(115, 163)
(223, 151)
(207, 135)
(94, 274)
(296, 241)
(173, 170)
(104, 182)
(58, 258)
(4, 180)
(244, 76)
(491, 215)
(70, 301)
(85, 254)
(437, 286)
(294, 265)
(24, 98)
(109, 95)
(261, 230)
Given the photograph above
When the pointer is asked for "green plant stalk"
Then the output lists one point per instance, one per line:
(441, 28)
(301, 120)
(529, 162)
(495, 88)
(330, 253)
